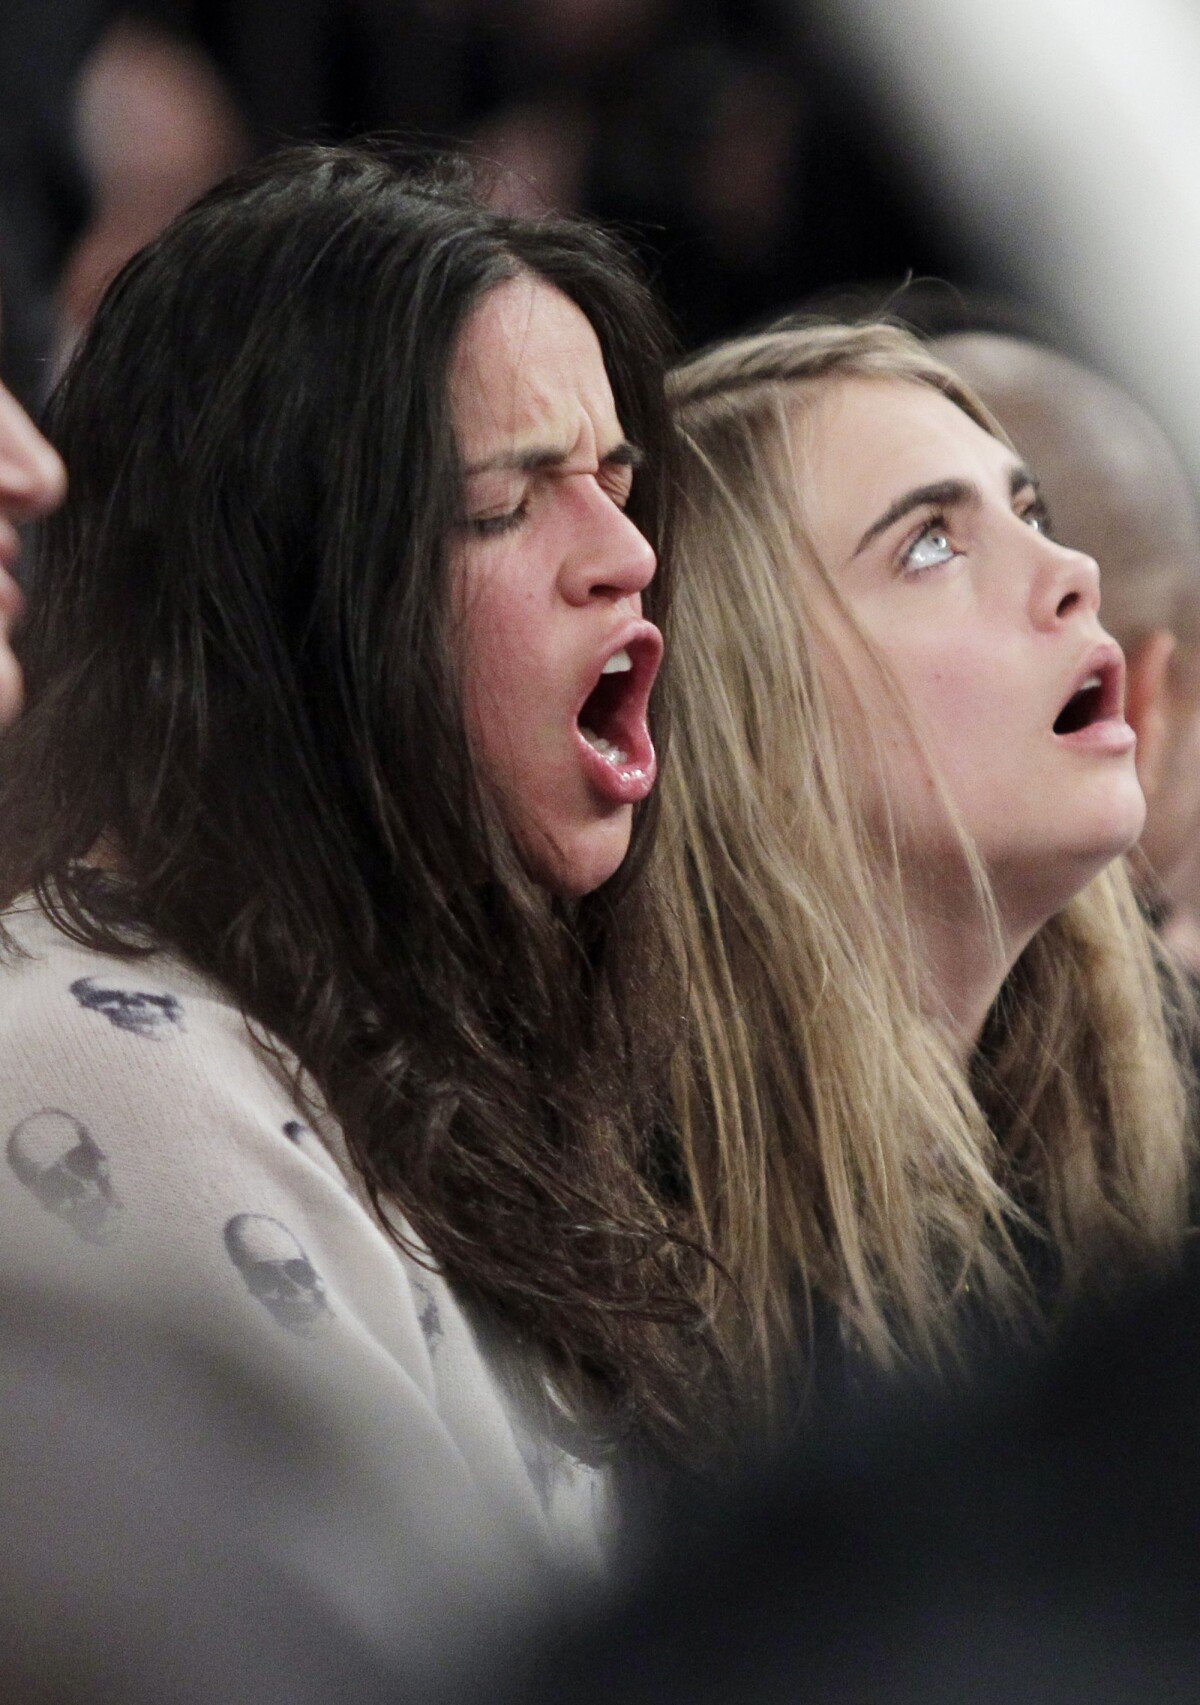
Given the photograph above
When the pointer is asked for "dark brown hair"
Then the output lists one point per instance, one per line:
(239, 670)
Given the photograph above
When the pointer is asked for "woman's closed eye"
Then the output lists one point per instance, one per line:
(615, 479)
(492, 526)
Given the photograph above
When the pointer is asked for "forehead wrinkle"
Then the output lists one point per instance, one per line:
(533, 404)
(519, 365)
(565, 384)
(545, 428)
(542, 406)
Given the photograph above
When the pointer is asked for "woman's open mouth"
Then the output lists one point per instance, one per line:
(1084, 707)
(1094, 713)
(613, 734)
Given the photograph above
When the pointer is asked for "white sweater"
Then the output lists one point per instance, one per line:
(153, 1145)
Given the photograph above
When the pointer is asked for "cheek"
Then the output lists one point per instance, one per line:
(492, 677)
(507, 681)
(962, 702)
(497, 656)
(958, 735)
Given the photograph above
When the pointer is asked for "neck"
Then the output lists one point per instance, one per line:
(965, 962)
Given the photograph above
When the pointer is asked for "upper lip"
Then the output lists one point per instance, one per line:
(1106, 660)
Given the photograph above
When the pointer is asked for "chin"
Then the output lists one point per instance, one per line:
(1037, 878)
(572, 862)
(1081, 864)
(1122, 817)
(1105, 822)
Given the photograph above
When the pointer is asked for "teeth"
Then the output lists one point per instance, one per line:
(1092, 681)
(618, 664)
(612, 754)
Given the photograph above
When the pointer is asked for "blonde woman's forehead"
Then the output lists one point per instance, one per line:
(865, 440)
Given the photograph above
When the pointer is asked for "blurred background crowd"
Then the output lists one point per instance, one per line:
(728, 139)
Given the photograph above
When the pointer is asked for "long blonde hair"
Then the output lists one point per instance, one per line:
(835, 1147)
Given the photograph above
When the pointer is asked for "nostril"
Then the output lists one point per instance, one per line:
(1067, 603)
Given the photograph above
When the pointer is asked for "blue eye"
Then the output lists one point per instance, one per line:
(930, 549)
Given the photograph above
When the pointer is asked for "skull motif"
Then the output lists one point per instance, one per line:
(276, 1271)
(428, 1315)
(56, 1158)
(136, 1010)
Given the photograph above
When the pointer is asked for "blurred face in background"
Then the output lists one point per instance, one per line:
(936, 539)
(32, 482)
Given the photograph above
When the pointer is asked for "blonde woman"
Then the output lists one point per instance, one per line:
(930, 1083)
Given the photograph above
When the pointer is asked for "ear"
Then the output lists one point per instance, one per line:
(1146, 703)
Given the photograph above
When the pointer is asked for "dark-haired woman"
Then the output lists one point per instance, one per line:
(319, 907)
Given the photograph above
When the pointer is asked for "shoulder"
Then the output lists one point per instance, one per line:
(142, 1121)
(148, 1138)
(149, 1141)
(143, 1045)
(146, 1007)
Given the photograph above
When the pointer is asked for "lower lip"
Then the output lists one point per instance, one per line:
(1113, 736)
(619, 784)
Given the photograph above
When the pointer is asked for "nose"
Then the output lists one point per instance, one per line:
(1065, 583)
(608, 556)
(32, 477)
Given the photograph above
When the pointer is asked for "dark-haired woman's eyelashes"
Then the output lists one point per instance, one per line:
(492, 526)
(614, 478)
(616, 481)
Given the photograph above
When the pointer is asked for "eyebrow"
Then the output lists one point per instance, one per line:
(940, 493)
(537, 458)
